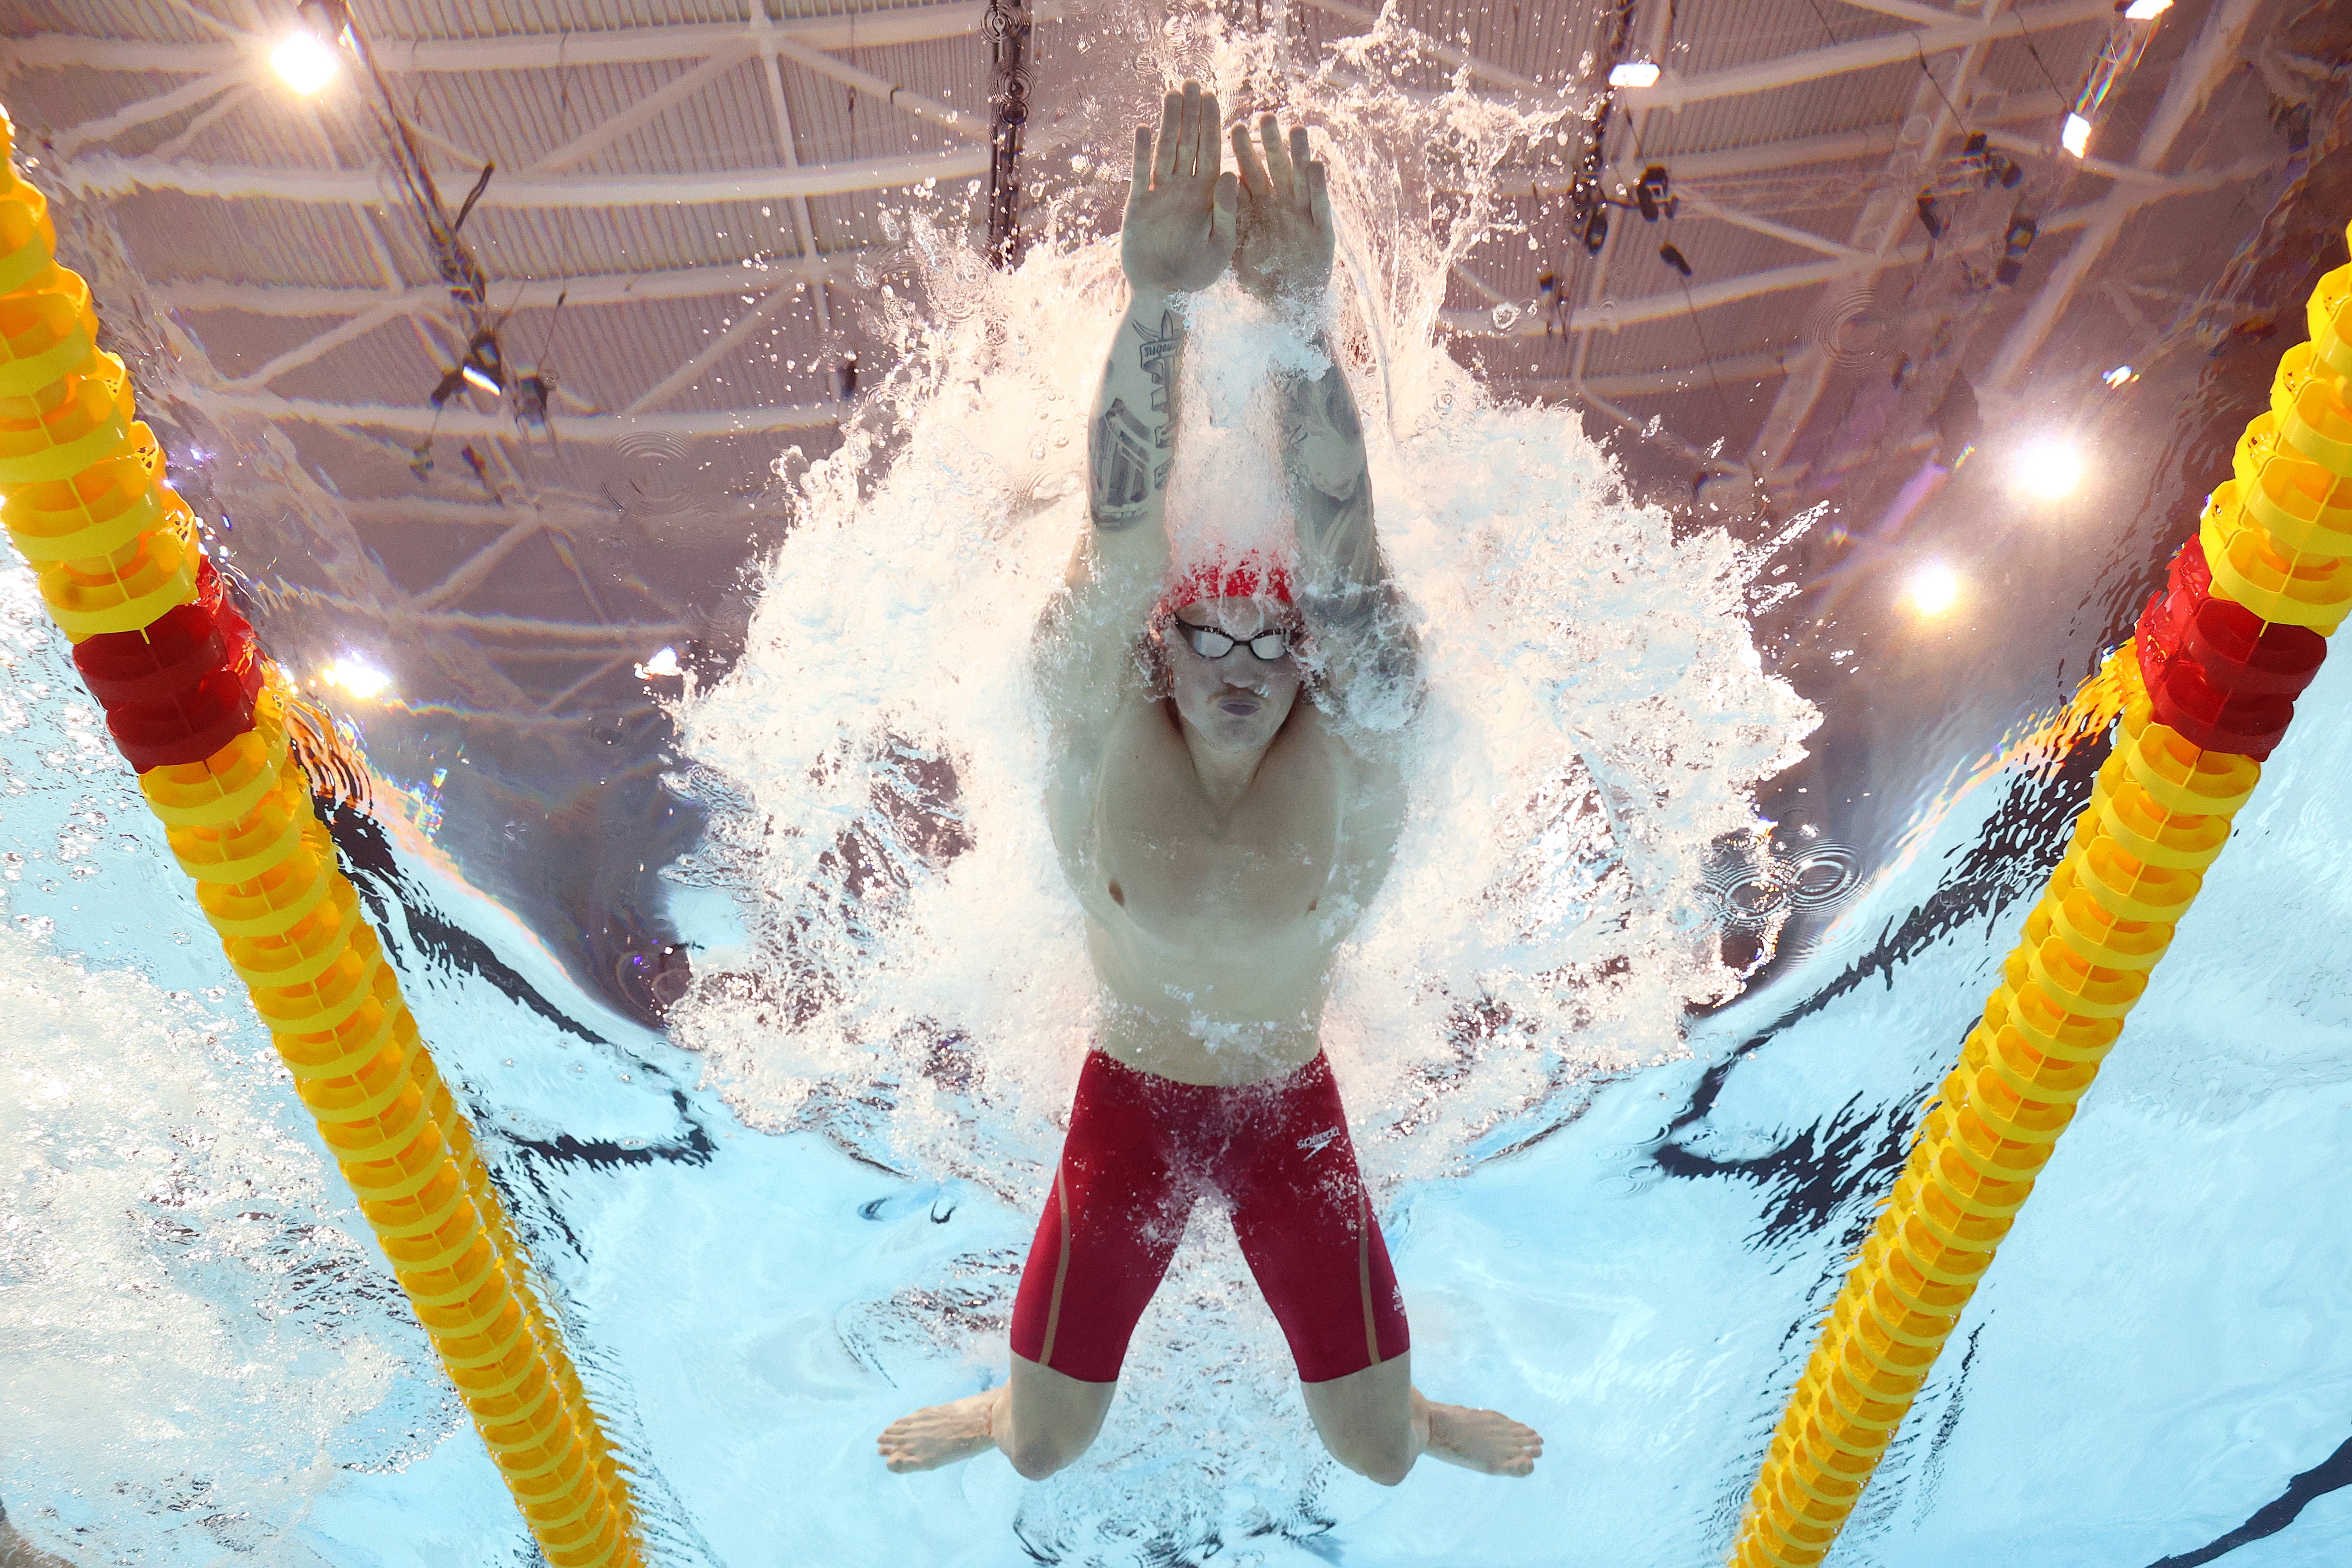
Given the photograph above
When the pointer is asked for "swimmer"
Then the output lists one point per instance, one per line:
(1222, 836)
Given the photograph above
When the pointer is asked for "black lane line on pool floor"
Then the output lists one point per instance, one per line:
(2332, 1474)
(1820, 1171)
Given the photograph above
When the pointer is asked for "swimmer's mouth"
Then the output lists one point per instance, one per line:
(1239, 707)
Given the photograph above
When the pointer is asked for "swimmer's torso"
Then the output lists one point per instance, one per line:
(1213, 931)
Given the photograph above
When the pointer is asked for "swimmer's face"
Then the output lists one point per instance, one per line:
(1239, 702)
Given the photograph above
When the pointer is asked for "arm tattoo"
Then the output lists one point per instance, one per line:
(1347, 591)
(1129, 451)
(1122, 466)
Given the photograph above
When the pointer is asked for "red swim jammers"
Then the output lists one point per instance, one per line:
(1141, 1149)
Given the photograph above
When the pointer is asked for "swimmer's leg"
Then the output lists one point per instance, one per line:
(1040, 1418)
(1111, 1222)
(1306, 1225)
(1377, 1424)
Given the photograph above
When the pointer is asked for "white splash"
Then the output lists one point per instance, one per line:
(193, 1347)
(1597, 714)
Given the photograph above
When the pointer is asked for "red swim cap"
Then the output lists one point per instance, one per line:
(1244, 579)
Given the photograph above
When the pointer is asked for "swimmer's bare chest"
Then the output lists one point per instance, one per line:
(1213, 929)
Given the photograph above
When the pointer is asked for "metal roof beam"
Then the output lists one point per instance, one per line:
(1804, 239)
(537, 52)
(107, 175)
(898, 98)
(561, 639)
(717, 349)
(1904, 45)
(601, 289)
(2213, 56)
(685, 85)
(476, 569)
(1702, 297)
(145, 111)
(1909, 10)
(1885, 216)
(558, 515)
(420, 418)
(1761, 365)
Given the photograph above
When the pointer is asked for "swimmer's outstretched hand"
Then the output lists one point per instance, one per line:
(1181, 211)
(1287, 236)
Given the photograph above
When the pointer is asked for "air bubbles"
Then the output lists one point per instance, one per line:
(1822, 876)
(650, 446)
(1760, 888)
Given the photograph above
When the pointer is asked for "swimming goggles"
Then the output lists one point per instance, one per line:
(1212, 642)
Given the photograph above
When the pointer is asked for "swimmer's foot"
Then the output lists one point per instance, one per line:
(941, 1433)
(1486, 1441)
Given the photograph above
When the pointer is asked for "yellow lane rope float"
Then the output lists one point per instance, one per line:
(173, 663)
(2208, 685)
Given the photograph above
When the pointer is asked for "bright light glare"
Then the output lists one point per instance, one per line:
(358, 679)
(2122, 375)
(2050, 469)
(306, 62)
(2076, 137)
(662, 663)
(1634, 73)
(2146, 10)
(1934, 588)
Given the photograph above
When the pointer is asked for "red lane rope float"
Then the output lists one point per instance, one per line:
(2208, 684)
(186, 698)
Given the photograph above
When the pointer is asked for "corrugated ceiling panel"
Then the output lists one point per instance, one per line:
(109, 19)
(517, 118)
(171, 235)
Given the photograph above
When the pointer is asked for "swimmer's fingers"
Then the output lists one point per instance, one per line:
(1188, 133)
(1281, 178)
(1142, 182)
(1207, 155)
(1318, 193)
(1254, 175)
(1302, 178)
(1224, 215)
(1171, 113)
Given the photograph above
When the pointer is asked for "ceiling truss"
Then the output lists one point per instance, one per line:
(1753, 188)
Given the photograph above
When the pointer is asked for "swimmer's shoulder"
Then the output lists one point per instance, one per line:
(1129, 748)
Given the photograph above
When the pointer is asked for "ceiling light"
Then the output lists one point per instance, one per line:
(2122, 375)
(2146, 10)
(479, 378)
(359, 680)
(1633, 73)
(1934, 588)
(305, 61)
(662, 663)
(2049, 469)
(2076, 137)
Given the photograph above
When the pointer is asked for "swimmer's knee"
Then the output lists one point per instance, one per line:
(1035, 1458)
(1386, 1461)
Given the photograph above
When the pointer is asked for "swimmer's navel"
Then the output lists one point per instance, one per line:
(1312, 902)
(1117, 896)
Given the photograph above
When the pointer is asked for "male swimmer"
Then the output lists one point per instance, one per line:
(1222, 836)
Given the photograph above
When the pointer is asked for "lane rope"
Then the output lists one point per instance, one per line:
(2208, 685)
(202, 717)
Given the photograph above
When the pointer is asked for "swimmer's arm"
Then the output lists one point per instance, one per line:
(1086, 640)
(1352, 604)
(1177, 237)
